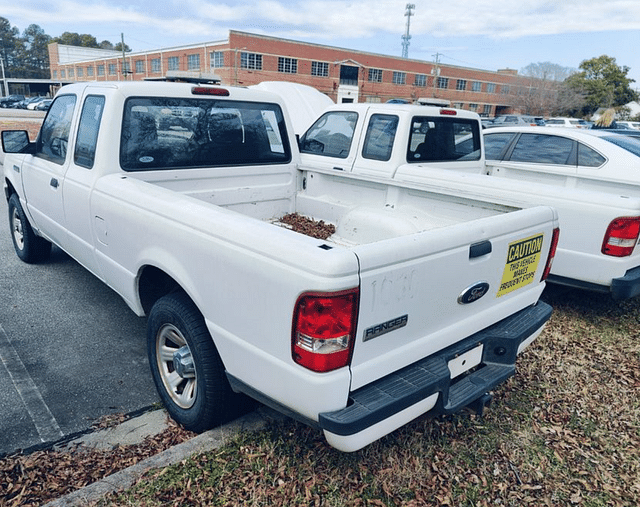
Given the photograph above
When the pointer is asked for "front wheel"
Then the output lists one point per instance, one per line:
(185, 364)
(28, 246)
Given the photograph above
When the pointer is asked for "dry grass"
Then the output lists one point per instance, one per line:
(564, 431)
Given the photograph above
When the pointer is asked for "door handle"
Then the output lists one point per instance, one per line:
(54, 183)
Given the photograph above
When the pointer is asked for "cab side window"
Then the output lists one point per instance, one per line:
(494, 145)
(54, 134)
(85, 151)
(331, 135)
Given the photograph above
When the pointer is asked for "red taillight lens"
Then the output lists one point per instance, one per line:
(323, 329)
(621, 236)
(552, 253)
(449, 112)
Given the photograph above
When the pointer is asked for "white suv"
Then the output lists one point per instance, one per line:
(567, 122)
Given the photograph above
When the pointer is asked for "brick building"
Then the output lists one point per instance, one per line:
(344, 75)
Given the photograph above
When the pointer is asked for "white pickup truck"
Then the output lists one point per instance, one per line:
(441, 150)
(176, 195)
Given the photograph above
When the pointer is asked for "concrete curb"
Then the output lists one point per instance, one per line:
(124, 479)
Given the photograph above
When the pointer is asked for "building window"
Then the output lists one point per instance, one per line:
(62, 74)
(80, 72)
(491, 88)
(287, 65)
(421, 80)
(505, 90)
(100, 70)
(126, 68)
(375, 75)
(155, 65)
(193, 62)
(458, 105)
(461, 85)
(399, 78)
(112, 69)
(250, 61)
(443, 82)
(487, 109)
(89, 71)
(476, 86)
(55, 74)
(71, 74)
(217, 59)
(173, 63)
(139, 66)
(320, 69)
(473, 107)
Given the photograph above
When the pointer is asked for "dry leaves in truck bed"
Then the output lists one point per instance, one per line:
(318, 229)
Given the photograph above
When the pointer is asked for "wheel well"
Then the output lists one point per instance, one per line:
(8, 189)
(154, 283)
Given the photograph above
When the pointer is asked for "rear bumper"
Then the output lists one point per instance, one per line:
(625, 287)
(430, 379)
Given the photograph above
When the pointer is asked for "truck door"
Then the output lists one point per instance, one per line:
(78, 184)
(43, 173)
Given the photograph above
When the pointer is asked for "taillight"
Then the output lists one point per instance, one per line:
(207, 90)
(621, 236)
(552, 253)
(323, 329)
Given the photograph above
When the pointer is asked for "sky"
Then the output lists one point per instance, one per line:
(483, 34)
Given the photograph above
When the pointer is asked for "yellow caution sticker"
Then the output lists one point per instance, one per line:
(522, 262)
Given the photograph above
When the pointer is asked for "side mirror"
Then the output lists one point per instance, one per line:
(17, 141)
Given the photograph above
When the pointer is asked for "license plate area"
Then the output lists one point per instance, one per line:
(464, 362)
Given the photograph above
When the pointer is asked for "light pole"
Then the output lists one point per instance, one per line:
(4, 79)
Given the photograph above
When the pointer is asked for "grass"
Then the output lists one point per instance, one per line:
(564, 431)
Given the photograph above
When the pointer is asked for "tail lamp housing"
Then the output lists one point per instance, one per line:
(324, 326)
(552, 253)
(621, 236)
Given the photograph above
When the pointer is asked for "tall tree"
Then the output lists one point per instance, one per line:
(604, 83)
(76, 39)
(546, 92)
(10, 45)
(36, 54)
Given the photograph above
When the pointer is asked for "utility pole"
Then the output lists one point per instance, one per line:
(436, 72)
(406, 37)
(124, 60)
(4, 79)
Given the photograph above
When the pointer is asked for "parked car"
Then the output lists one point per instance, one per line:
(514, 119)
(566, 122)
(577, 149)
(635, 125)
(43, 105)
(10, 100)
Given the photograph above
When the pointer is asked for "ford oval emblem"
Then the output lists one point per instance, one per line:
(473, 293)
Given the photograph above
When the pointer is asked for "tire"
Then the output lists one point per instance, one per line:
(199, 396)
(29, 247)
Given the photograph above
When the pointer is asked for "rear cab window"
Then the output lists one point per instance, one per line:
(172, 133)
(436, 138)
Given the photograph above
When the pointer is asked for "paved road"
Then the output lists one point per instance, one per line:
(71, 351)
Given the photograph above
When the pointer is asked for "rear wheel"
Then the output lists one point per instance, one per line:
(28, 246)
(185, 364)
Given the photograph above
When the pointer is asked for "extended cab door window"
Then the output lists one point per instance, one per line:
(54, 134)
(85, 151)
(381, 133)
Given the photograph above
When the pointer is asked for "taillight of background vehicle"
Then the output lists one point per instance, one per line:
(621, 236)
(324, 326)
(552, 253)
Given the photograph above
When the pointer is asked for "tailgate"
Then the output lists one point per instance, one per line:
(424, 292)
